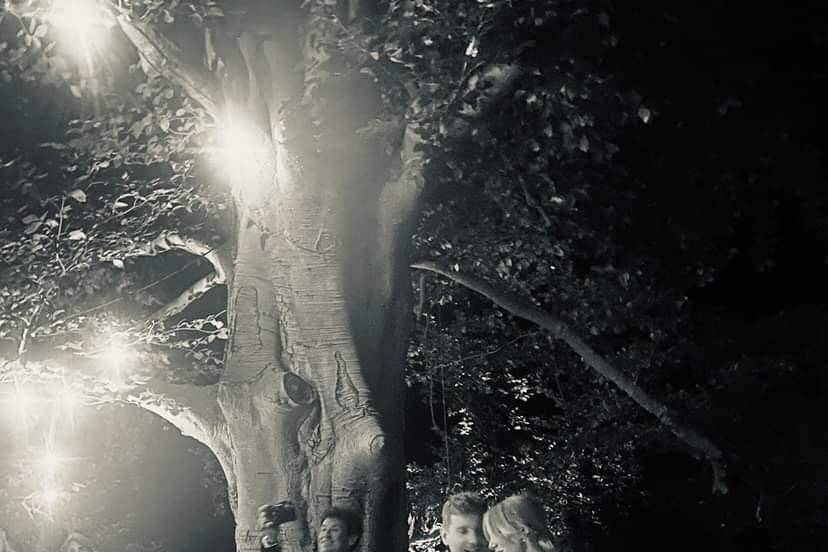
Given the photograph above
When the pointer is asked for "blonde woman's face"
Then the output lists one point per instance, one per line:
(499, 543)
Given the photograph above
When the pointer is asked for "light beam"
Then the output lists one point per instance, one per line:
(80, 25)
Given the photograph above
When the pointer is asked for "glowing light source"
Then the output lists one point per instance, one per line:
(79, 16)
(50, 496)
(51, 462)
(114, 361)
(79, 22)
(116, 355)
(242, 148)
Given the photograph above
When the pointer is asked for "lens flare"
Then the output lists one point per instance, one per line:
(51, 462)
(241, 149)
(80, 25)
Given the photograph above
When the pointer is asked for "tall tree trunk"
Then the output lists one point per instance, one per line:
(311, 398)
(312, 390)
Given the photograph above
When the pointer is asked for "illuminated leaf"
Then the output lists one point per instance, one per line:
(78, 195)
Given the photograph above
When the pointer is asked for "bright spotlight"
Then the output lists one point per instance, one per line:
(51, 496)
(79, 22)
(114, 360)
(116, 355)
(79, 16)
(242, 148)
(51, 462)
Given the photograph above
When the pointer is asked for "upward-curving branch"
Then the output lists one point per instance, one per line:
(522, 308)
(170, 241)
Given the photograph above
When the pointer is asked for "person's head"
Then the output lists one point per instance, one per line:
(339, 531)
(462, 529)
(517, 524)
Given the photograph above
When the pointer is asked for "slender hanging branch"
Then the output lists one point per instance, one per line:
(522, 308)
(166, 57)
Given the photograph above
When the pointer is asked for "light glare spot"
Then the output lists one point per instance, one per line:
(51, 462)
(240, 148)
(78, 23)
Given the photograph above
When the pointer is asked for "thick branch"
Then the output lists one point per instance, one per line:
(519, 307)
(166, 57)
(400, 197)
(187, 297)
(170, 241)
(190, 408)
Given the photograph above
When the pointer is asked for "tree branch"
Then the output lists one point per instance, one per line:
(190, 408)
(171, 241)
(523, 309)
(166, 57)
(187, 297)
(399, 199)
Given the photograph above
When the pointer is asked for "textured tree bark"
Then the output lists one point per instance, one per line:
(312, 392)
(310, 404)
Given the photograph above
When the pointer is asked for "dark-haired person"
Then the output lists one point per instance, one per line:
(462, 529)
(339, 530)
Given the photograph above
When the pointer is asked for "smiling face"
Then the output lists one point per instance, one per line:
(464, 533)
(498, 543)
(334, 537)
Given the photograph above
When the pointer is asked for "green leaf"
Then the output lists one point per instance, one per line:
(76, 235)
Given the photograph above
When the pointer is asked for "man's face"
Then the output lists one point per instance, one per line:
(464, 533)
(333, 536)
